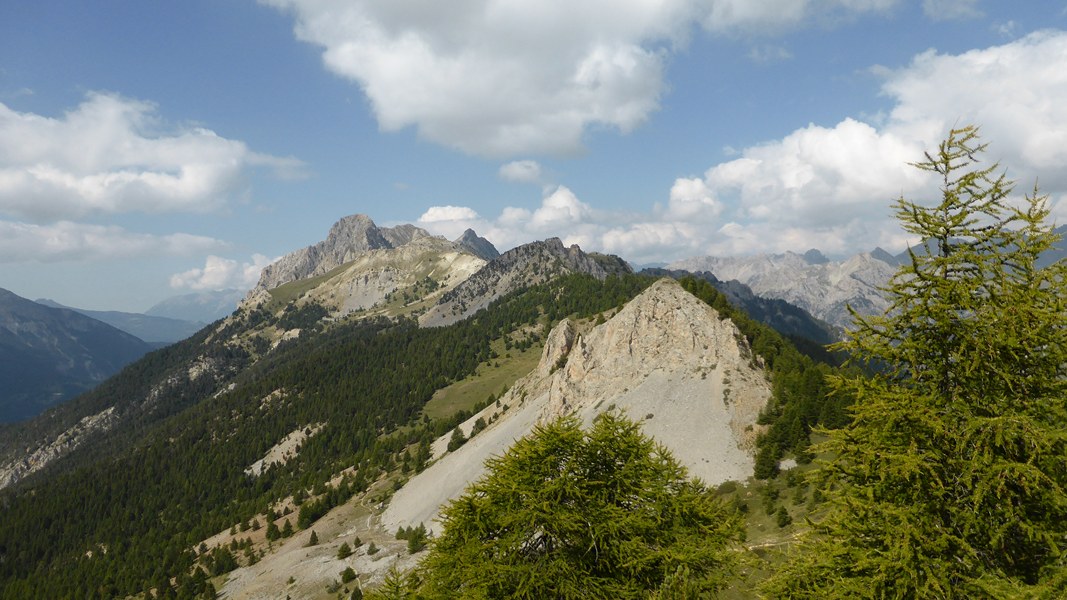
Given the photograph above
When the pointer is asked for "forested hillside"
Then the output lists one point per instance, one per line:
(126, 517)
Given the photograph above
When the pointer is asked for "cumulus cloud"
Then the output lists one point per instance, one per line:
(830, 187)
(508, 78)
(67, 241)
(221, 273)
(521, 171)
(112, 154)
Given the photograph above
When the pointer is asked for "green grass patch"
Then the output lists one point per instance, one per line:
(497, 374)
(284, 294)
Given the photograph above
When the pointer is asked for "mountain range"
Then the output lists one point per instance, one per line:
(361, 385)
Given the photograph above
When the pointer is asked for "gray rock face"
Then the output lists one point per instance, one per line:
(825, 290)
(526, 265)
(402, 234)
(666, 359)
(348, 238)
(476, 245)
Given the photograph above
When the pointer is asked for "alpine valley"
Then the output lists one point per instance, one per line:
(305, 445)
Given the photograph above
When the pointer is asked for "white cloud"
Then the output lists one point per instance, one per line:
(561, 209)
(507, 78)
(831, 187)
(110, 155)
(1012, 91)
(692, 200)
(727, 16)
(451, 221)
(221, 273)
(521, 171)
(816, 175)
(67, 241)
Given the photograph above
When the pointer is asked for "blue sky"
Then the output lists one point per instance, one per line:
(155, 148)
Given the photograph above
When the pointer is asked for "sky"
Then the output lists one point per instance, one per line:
(149, 149)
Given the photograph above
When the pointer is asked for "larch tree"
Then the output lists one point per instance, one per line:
(950, 480)
(567, 513)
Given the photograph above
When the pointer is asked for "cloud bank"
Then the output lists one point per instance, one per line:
(113, 155)
(500, 79)
(108, 156)
(831, 187)
(66, 241)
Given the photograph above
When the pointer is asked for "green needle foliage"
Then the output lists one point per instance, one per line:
(570, 514)
(951, 477)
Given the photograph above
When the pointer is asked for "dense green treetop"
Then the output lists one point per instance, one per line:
(567, 513)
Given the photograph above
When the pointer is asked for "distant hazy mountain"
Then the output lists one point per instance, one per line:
(152, 329)
(48, 355)
(202, 307)
(823, 288)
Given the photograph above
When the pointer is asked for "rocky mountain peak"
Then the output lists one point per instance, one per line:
(477, 245)
(815, 257)
(348, 238)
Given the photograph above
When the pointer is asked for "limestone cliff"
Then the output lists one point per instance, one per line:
(666, 359)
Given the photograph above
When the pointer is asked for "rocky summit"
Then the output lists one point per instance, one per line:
(519, 267)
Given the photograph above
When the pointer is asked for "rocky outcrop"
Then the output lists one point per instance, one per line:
(524, 266)
(35, 459)
(824, 289)
(785, 318)
(476, 245)
(398, 280)
(348, 238)
(666, 359)
(402, 234)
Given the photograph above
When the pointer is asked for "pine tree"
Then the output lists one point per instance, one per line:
(314, 539)
(273, 533)
(571, 514)
(951, 477)
(344, 551)
(457, 439)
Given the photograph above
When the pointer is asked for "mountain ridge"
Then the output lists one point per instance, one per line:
(49, 354)
(525, 265)
(151, 329)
